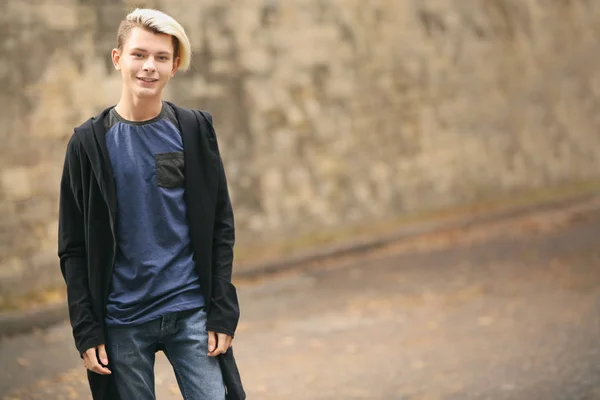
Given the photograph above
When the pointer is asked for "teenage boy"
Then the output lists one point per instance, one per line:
(146, 231)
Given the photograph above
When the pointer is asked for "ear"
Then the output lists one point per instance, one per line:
(176, 63)
(116, 58)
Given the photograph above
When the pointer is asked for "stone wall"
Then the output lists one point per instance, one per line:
(329, 113)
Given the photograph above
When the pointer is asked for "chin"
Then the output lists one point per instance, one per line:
(147, 93)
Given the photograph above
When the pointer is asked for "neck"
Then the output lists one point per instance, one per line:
(135, 109)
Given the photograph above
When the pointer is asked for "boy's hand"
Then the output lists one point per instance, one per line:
(218, 343)
(90, 360)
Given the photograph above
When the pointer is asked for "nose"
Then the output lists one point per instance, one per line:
(149, 65)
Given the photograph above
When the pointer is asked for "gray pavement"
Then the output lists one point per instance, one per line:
(508, 310)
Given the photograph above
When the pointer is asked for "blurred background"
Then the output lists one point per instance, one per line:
(342, 121)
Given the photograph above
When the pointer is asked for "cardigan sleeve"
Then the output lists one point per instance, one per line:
(87, 332)
(225, 312)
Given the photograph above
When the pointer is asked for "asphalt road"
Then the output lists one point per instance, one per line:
(510, 310)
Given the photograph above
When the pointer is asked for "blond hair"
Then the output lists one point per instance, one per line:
(157, 22)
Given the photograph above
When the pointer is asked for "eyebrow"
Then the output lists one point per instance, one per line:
(145, 51)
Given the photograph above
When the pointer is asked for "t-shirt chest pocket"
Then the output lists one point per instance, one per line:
(170, 168)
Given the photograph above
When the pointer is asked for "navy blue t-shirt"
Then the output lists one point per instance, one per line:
(154, 271)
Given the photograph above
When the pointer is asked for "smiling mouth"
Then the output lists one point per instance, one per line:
(148, 80)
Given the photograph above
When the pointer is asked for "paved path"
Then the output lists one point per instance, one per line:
(506, 311)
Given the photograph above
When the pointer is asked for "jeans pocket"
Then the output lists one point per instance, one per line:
(170, 168)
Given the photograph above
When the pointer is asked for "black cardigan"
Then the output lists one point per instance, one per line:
(87, 240)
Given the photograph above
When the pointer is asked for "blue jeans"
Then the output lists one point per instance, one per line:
(183, 336)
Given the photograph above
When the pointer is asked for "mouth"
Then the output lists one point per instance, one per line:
(148, 80)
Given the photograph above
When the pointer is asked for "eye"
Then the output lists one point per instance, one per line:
(163, 58)
(138, 55)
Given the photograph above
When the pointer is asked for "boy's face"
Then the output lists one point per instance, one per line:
(146, 63)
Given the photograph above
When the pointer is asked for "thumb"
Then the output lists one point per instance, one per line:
(102, 355)
(212, 341)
